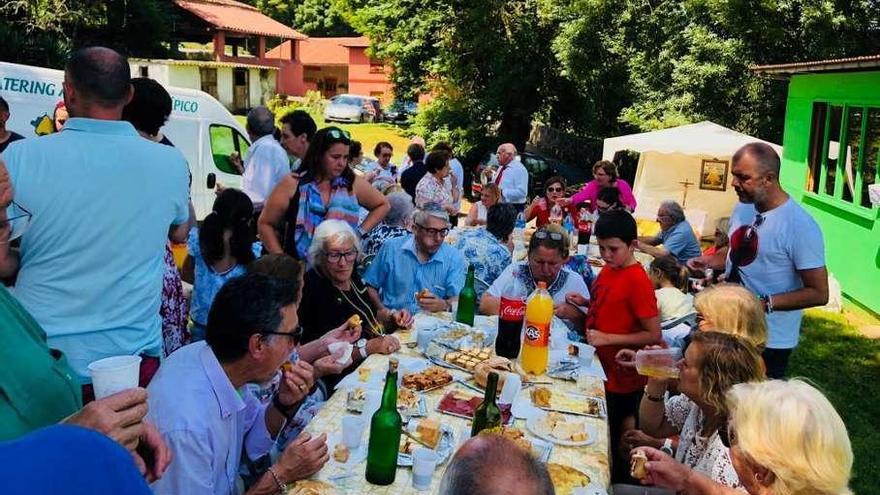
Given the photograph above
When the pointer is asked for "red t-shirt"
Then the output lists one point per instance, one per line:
(542, 215)
(620, 298)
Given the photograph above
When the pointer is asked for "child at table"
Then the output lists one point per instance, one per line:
(670, 286)
(623, 314)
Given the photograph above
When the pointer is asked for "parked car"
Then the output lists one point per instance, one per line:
(540, 169)
(400, 111)
(353, 108)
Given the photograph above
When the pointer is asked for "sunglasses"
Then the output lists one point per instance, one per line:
(555, 189)
(543, 234)
(18, 221)
(336, 133)
(753, 228)
(440, 232)
(294, 336)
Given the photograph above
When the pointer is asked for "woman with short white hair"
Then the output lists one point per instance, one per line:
(785, 438)
(333, 292)
(397, 223)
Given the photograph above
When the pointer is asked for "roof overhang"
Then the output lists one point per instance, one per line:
(851, 64)
(229, 15)
(200, 63)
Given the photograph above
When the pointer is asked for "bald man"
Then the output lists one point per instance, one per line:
(511, 177)
(494, 465)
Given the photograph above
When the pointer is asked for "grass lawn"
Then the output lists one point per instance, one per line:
(369, 135)
(846, 366)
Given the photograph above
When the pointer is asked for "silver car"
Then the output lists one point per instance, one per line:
(352, 108)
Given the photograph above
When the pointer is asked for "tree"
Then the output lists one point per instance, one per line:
(311, 17)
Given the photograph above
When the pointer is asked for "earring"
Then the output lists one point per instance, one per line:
(759, 478)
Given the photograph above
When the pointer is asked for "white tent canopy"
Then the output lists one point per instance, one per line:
(671, 167)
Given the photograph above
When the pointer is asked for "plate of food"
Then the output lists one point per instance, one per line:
(583, 405)
(541, 449)
(560, 429)
(428, 433)
(311, 487)
(432, 378)
(409, 402)
(566, 479)
(469, 357)
(463, 404)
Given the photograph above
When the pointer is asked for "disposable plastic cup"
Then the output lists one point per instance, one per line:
(658, 363)
(510, 390)
(424, 463)
(114, 374)
(371, 404)
(585, 354)
(352, 431)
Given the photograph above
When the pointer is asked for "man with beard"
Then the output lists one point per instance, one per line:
(776, 251)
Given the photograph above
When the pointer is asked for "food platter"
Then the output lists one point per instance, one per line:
(409, 442)
(409, 402)
(570, 403)
(561, 430)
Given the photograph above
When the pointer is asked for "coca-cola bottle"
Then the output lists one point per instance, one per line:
(510, 318)
(584, 228)
(556, 214)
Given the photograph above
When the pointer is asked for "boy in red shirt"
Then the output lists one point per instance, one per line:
(623, 314)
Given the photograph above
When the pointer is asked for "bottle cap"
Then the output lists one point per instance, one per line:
(392, 364)
(542, 285)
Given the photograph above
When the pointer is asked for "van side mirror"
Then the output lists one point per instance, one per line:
(212, 180)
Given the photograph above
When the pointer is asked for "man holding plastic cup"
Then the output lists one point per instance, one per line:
(199, 402)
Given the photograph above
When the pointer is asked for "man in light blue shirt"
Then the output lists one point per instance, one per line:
(199, 401)
(676, 235)
(421, 261)
(104, 201)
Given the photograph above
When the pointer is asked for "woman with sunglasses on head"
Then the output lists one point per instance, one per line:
(539, 209)
(785, 438)
(324, 187)
(712, 364)
(604, 175)
(333, 292)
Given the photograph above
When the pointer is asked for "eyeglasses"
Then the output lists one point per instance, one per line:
(440, 232)
(334, 256)
(543, 234)
(18, 219)
(294, 336)
(336, 133)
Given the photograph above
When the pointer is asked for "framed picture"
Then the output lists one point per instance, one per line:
(713, 175)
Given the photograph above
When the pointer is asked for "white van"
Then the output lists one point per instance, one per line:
(199, 126)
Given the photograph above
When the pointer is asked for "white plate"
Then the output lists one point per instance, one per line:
(532, 423)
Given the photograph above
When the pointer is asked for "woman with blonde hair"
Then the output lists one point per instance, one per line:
(785, 438)
(489, 195)
(733, 309)
(713, 363)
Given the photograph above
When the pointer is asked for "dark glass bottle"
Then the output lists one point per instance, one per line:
(487, 414)
(385, 428)
(467, 300)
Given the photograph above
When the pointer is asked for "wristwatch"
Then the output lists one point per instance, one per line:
(667, 447)
(361, 346)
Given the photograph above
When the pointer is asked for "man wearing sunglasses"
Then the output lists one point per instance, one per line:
(548, 252)
(419, 271)
(776, 251)
(200, 403)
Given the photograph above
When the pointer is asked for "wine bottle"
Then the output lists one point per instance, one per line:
(487, 414)
(467, 300)
(385, 428)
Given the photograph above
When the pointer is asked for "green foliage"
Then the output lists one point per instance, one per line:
(311, 17)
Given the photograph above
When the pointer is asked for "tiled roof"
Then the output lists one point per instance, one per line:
(230, 15)
(836, 64)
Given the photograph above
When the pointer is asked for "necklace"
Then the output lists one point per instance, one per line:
(376, 328)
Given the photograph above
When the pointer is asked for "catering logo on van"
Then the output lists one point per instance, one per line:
(185, 106)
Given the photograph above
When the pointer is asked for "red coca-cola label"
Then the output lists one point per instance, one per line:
(512, 309)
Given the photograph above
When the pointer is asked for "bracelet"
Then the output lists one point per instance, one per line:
(767, 299)
(281, 487)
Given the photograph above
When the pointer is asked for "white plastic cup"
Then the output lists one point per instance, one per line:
(352, 431)
(424, 463)
(511, 388)
(585, 354)
(114, 374)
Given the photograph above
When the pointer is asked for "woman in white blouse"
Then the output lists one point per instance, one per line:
(712, 364)
(489, 195)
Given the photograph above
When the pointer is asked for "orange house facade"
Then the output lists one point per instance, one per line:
(331, 66)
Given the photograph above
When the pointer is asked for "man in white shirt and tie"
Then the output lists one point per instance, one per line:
(511, 177)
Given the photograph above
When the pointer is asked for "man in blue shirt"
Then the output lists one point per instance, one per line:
(419, 271)
(676, 235)
(103, 201)
(201, 406)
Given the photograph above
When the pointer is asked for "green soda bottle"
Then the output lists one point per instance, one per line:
(385, 433)
(467, 300)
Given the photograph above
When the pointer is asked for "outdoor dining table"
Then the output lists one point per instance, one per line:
(590, 459)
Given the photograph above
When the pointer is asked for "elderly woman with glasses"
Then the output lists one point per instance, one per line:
(784, 437)
(712, 364)
(539, 209)
(324, 187)
(333, 292)
(547, 255)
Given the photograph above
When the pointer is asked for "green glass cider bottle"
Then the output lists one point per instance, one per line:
(385, 428)
(467, 300)
(487, 414)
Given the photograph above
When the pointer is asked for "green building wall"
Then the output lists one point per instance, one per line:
(852, 234)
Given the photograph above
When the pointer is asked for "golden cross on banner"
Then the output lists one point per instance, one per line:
(686, 183)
